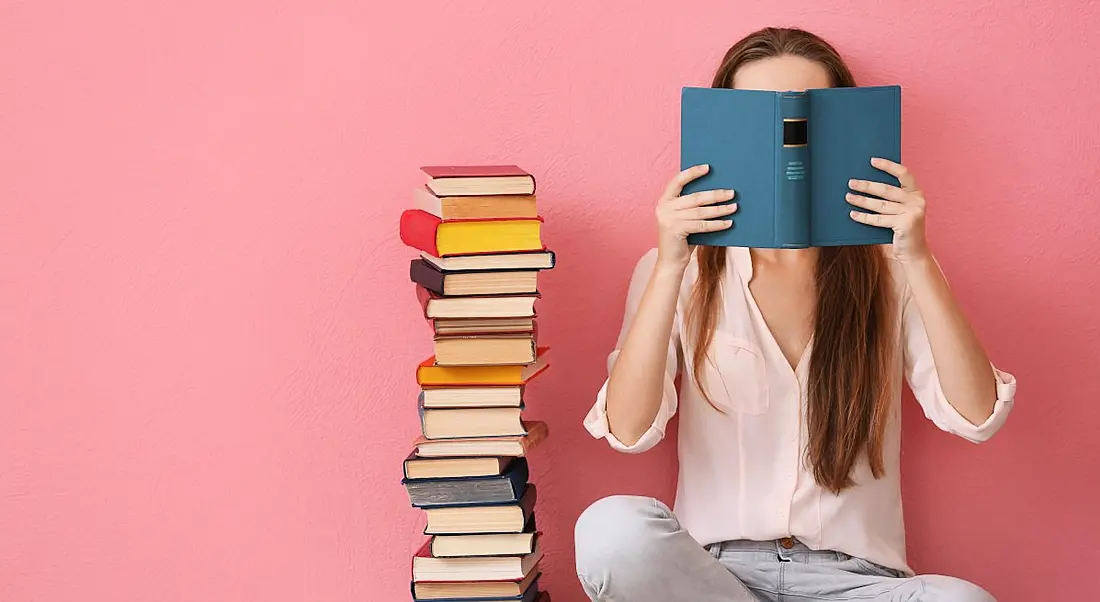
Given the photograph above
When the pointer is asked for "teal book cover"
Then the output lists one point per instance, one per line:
(789, 156)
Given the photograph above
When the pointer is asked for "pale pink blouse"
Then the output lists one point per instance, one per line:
(742, 473)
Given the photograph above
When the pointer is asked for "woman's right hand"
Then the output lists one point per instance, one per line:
(678, 216)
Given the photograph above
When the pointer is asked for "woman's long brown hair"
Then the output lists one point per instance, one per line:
(851, 363)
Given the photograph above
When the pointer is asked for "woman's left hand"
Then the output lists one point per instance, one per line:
(900, 209)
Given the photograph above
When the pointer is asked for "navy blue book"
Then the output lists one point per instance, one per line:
(505, 488)
(789, 156)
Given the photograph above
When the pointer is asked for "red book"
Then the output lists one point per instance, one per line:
(478, 180)
(472, 171)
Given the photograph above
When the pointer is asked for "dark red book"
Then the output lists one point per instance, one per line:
(473, 171)
(477, 180)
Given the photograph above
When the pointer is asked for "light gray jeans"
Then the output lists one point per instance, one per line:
(632, 549)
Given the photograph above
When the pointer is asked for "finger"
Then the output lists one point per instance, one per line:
(886, 191)
(875, 219)
(677, 183)
(703, 197)
(708, 212)
(708, 225)
(899, 171)
(873, 204)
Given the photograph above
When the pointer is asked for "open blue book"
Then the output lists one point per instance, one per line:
(789, 156)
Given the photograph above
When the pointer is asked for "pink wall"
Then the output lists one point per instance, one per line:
(207, 335)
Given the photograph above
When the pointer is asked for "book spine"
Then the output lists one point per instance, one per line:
(527, 503)
(418, 230)
(532, 591)
(792, 204)
(424, 298)
(519, 474)
(422, 273)
(420, 412)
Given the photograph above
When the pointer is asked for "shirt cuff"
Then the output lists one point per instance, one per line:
(596, 424)
(1006, 394)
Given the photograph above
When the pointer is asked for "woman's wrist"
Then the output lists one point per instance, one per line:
(920, 267)
(669, 269)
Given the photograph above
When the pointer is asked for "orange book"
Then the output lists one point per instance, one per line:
(428, 374)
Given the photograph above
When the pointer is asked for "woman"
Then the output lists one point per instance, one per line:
(789, 404)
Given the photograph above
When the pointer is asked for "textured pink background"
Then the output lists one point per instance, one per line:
(207, 335)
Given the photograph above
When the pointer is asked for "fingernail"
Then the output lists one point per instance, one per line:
(733, 207)
(729, 194)
(849, 196)
(727, 223)
(852, 183)
(875, 160)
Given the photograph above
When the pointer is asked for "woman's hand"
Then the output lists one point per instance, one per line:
(678, 216)
(900, 209)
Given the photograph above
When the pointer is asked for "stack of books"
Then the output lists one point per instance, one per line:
(478, 231)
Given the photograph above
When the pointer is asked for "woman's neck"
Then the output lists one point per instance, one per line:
(785, 259)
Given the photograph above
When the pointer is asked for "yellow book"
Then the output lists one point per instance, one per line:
(426, 232)
(496, 236)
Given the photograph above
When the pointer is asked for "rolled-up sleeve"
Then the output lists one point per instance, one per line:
(920, 372)
(596, 419)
